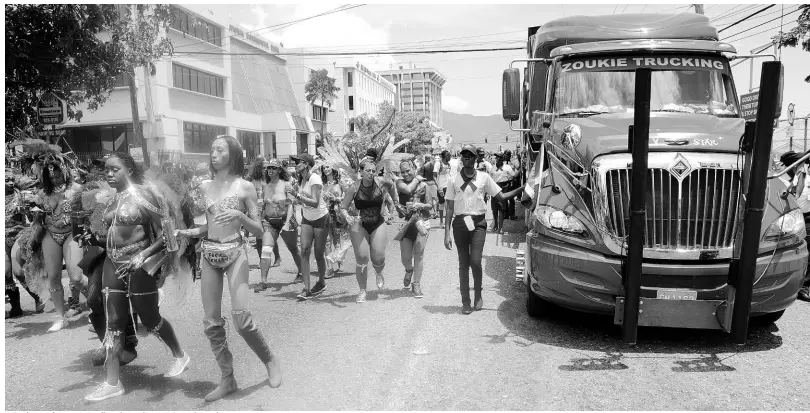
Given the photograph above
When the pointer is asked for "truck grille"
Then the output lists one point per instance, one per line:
(697, 212)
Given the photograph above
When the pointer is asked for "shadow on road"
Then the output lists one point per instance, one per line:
(26, 330)
(574, 330)
(139, 377)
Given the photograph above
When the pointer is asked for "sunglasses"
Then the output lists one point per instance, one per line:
(270, 168)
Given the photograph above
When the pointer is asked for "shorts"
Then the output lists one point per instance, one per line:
(273, 223)
(442, 192)
(322, 222)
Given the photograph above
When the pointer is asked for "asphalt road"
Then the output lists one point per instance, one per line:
(399, 353)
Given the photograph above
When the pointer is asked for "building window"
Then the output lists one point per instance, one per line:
(250, 143)
(198, 137)
(270, 144)
(349, 81)
(319, 113)
(351, 127)
(202, 30)
(196, 81)
(351, 102)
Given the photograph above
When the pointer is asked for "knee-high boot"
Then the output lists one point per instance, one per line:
(243, 323)
(215, 331)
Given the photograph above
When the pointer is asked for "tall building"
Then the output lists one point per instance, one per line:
(418, 90)
(220, 81)
(361, 91)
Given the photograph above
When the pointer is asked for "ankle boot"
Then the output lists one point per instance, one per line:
(243, 323)
(215, 331)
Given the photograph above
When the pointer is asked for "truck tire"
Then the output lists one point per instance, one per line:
(767, 319)
(536, 307)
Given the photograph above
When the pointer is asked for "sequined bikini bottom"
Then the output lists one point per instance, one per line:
(59, 238)
(221, 254)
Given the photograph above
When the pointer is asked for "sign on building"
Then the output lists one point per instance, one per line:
(51, 110)
(748, 106)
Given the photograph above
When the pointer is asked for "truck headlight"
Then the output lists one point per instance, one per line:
(571, 136)
(556, 219)
(789, 225)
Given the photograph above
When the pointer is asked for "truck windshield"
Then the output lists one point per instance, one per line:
(592, 92)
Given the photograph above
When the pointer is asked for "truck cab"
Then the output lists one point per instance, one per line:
(577, 108)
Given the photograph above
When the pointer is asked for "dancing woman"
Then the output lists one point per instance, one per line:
(15, 225)
(135, 254)
(229, 203)
(278, 218)
(417, 201)
(55, 245)
(368, 234)
(465, 200)
(338, 230)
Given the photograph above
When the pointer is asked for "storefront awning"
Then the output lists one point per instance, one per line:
(301, 124)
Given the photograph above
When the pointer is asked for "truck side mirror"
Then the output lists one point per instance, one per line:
(511, 95)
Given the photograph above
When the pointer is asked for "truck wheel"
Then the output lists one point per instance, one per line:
(767, 319)
(536, 307)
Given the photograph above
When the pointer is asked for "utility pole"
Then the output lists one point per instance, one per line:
(698, 8)
(133, 101)
(150, 113)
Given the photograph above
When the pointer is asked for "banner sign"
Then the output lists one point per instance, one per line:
(748, 106)
(630, 63)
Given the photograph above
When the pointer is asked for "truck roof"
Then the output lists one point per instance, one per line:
(584, 29)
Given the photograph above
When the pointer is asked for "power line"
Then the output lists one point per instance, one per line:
(359, 53)
(417, 41)
(761, 24)
(743, 10)
(336, 10)
(757, 33)
(726, 13)
(764, 15)
(746, 18)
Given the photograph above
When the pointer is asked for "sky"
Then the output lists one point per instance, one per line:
(473, 79)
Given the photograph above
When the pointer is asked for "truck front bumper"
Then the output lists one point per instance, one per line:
(583, 280)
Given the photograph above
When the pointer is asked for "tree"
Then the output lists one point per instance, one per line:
(321, 87)
(406, 125)
(56, 48)
(76, 51)
(798, 34)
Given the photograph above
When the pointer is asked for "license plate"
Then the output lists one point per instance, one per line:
(677, 295)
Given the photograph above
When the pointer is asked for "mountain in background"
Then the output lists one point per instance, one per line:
(472, 129)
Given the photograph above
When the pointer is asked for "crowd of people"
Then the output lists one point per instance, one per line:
(121, 233)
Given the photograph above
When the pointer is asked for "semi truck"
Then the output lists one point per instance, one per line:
(575, 106)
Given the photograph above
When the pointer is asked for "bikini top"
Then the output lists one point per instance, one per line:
(277, 204)
(202, 203)
(366, 200)
(58, 217)
(128, 213)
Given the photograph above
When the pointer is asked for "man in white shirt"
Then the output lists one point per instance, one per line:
(465, 200)
(502, 174)
(796, 181)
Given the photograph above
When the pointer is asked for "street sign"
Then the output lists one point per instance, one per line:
(748, 105)
(51, 110)
(791, 115)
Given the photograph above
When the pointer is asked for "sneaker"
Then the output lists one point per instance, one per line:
(466, 309)
(261, 287)
(105, 391)
(407, 280)
(276, 262)
(298, 278)
(62, 323)
(318, 288)
(178, 366)
(39, 306)
(305, 295)
(361, 298)
(380, 282)
(417, 290)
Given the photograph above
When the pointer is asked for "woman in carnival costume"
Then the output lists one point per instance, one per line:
(136, 263)
(278, 218)
(413, 236)
(50, 243)
(229, 204)
(16, 185)
(333, 190)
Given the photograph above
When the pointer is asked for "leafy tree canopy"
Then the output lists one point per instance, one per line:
(406, 125)
(799, 34)
(75, 51)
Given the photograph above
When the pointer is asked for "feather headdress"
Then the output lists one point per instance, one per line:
(348, 158)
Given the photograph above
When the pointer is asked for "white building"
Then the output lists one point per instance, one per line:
(361, 91)
(220, 81)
